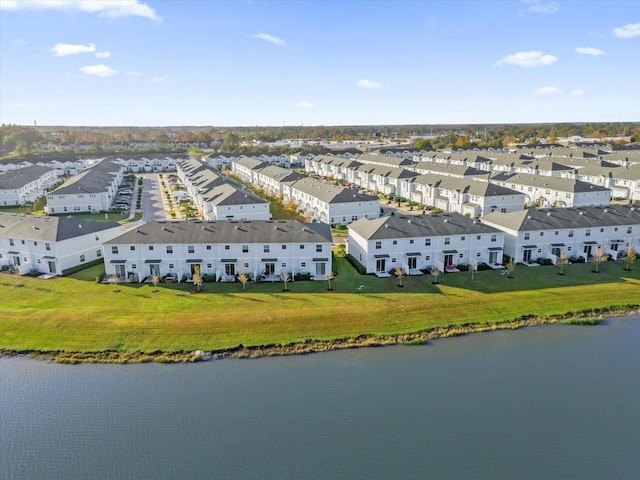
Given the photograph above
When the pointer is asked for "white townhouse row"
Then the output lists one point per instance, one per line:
(217, 196)
(546, 233)
(50, 245)
(63, 166)
(623, 180)
(263, 249)
(553, 191)
(148, 162)
(385, 160)
(219, 160)
(317, 200)
(24, 185)
(92, 190)
(467, 196)
(448, 170)
(419, 242)
(330, 166)
(383, 179)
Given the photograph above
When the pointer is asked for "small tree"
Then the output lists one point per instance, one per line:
(473, 266)
(115, 279)
(155, 279)
(435, 272)
(630, 258)
(598, 257)
(563, 261)
(284, 276)
(197, 279)
(330, 276)
(399, 272)
(510, 266)
(244, 278)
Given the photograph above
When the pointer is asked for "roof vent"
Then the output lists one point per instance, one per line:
(409, 221)
(605, 210)
(581, 213)
(446, 220)
(528, 217)
(548, 214)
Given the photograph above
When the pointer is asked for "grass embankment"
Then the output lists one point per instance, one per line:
(74, 315)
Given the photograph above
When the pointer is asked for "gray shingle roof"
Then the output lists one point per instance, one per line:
(465, 185)
(558, 218)
(92, 180)
(553, 183)
(48, 228)
(225, 231)
(329, 193)
(15, 179)
(398, 226)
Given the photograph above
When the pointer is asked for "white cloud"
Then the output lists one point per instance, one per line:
(305, 104)
(368, 84)
(103, 8)
(21, 41)
(98, 70)
(132, 74)
(627, 31)
(64, 49)
(577, 93)
(158, 79)
(270, 38)
(532, 58)
(589, 51)
(103, 54)
(542, 7)
(547, 91)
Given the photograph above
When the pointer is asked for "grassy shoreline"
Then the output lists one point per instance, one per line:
(73, 320)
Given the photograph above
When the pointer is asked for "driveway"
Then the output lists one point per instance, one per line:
(152, 205)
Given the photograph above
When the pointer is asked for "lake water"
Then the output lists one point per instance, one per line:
(551, 402)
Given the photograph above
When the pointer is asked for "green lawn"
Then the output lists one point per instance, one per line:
(75, 314)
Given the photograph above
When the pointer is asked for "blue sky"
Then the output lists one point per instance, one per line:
(244, 63)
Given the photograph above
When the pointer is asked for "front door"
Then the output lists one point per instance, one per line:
(320, 268)
(587, 251)
(493, 258)
(52, 267)
(230, 269)
(413, 263)
(269, 268)
(448, 261)
(381, 265)
(526, 256)
(154, 269)
(120, 271)
(195, 267)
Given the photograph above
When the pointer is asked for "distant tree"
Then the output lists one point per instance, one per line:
(598, 257)
(284, 276)
(562, 261)
(510, 266)
(422, 144)
(329, 276)
(244, 278)
(196, 153)
(630, 258)
(435, 272)
(462, 142)
(553, 138)
(399, 273)
(197, 279)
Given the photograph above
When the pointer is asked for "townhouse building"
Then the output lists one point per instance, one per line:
(467, 196)
(263, 249)
(548, 191)
(50, 245)
(24, 185)
(217, 196)
(92, 190)
(383, 179)
(546, 233)
(148, 162)
(330, 166)
(416, 243)
(247, 169)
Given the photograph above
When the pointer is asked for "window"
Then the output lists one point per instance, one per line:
(98, 253)
(556, 232)
(303, 265)
(478, 237)
(245, 248)
(266, 248)
(46, 246)
(527, 236)
(22, 241)
(284, 265)
(301, 247)
(378, 245)
(171, 265)
(246, 264)
(629, 229)
(427, 257)
(11, 242)
(82, 258)
(461, 255)
(114, 250)
(150, 248)
(447, 240)
(601, 230)
(318, 248)
(427, 242)
(169, 248)
(134, 266)
(209, 265)
(411, 241)
(542, 234)
(503, 210)
(208, 247)
(35, 244)
(226, 247)
(191, 249)
(494, 237)
(478, 254)
(132, 248)
(570, 233)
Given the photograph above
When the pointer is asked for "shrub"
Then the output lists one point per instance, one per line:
(483, 266)
(463, 267)
(356, 264)
(209, 278)
(544, 261)
(302, 276)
